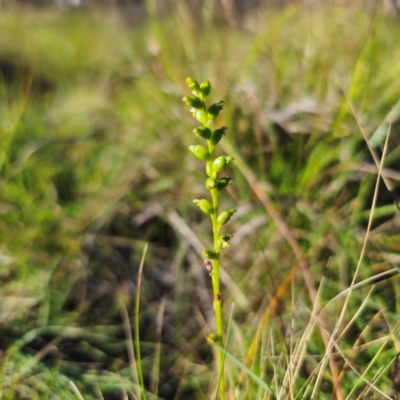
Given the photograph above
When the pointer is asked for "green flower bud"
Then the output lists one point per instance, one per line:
(225, 216)
(193, 101)
(204, 205)
(211, 183)
(205, 88)
(203, 132)
(215, 109)
(219, 163)
(211, 254)
(222, 183)
(200, 115)
(194, 85)
(217, 134)
(200, 152)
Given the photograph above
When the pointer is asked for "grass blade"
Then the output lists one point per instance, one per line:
(137, 308)
(248, 371)
(76, 390)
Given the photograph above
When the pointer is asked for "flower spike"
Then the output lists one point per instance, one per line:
(214, 184)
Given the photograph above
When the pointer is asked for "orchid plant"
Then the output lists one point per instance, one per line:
(214, 165)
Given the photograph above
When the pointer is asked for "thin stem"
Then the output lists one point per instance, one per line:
(216, 282)
(218, 323)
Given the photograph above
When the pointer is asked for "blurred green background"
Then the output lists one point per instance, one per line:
(94, 165)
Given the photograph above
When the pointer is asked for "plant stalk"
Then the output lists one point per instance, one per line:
(215, 278)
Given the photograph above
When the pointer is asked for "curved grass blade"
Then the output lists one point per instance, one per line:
(224, 355)
(248, 371)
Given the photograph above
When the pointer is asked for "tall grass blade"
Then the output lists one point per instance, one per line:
(378, 375)
(137, 309)
(76, 390)
(365, 380)
(388, 184)
(224, 356)
(362, 377)
(129, 344)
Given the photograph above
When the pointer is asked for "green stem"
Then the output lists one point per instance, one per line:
(216, 284)
(218, 323)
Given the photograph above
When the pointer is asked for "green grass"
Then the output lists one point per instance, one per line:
(94, 165)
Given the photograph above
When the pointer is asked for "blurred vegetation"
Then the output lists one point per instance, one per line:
(94, 164)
